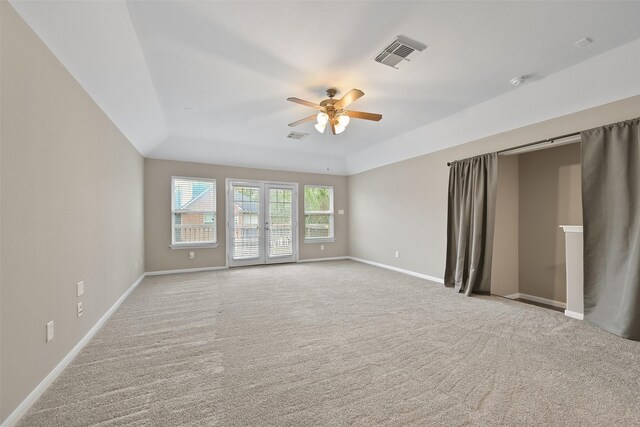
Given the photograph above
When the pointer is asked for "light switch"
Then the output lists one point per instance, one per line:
(80, 288)
(340, 211)
(49, 331)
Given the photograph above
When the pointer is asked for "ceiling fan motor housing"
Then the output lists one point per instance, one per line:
(328, 105)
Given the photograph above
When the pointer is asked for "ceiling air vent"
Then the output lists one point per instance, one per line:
(297, 135)
(398, 51)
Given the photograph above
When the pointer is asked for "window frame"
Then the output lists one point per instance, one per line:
(194, 245)
(330, 212)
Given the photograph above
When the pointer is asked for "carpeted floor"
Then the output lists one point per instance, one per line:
(339, 343)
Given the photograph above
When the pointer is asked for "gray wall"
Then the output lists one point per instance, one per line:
(403, 206)
(504, 273)
(157, 202)
(549, 196)
(71, 209)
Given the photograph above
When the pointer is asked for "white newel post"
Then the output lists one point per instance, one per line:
(575, 279)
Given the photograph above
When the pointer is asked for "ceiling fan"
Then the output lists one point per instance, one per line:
(333, 113)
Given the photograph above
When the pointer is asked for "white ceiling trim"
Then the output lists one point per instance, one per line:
(605, 78)
(98, 44)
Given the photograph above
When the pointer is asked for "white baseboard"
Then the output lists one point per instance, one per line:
(534, 298)
(335, 258)
(185, 270)
(399, 270)
(574, 314)
(24, 406)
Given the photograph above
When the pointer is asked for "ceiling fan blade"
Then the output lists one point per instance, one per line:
(366, 116)
(351, 96)
(306, 103)
(301, 121)
(332, 123)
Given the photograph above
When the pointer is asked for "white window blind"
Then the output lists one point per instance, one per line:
(246, 220)
(193, 205)
(318, 212)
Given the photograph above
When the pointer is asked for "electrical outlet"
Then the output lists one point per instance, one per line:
(79, 309)
(49, 331)
(397, 254)
(80, 286)
(192, 255)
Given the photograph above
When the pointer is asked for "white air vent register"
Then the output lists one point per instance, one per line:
(398, 51)
(297, 135)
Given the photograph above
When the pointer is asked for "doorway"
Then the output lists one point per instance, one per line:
(538, 191)
(262, 226)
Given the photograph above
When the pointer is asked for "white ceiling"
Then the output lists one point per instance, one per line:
(208, 81)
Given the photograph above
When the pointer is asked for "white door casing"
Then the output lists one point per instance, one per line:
(262, 224)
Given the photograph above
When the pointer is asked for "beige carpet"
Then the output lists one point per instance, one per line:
(339, 343)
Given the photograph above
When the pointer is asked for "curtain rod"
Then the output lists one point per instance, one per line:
(542, 141)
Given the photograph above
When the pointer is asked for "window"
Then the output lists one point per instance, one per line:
(318, 213)
(193, 212)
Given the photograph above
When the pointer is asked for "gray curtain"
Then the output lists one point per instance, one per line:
(470, 223)
(611, 214)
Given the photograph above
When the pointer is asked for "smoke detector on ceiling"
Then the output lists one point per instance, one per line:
(398, 51)
(517, 81)
(297, 135)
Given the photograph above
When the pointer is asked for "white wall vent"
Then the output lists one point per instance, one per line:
(297, 135)
(398, 51)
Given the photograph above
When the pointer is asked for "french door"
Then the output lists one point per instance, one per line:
(261, 222)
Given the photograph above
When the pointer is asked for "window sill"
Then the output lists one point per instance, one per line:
(194, 246)
(323, 240)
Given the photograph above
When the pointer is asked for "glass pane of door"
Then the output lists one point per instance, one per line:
(280, 222)
(246, 222)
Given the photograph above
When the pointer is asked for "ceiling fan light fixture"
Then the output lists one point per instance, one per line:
(323, 118)
(320, 127)
(343, 120)
(339, 129)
